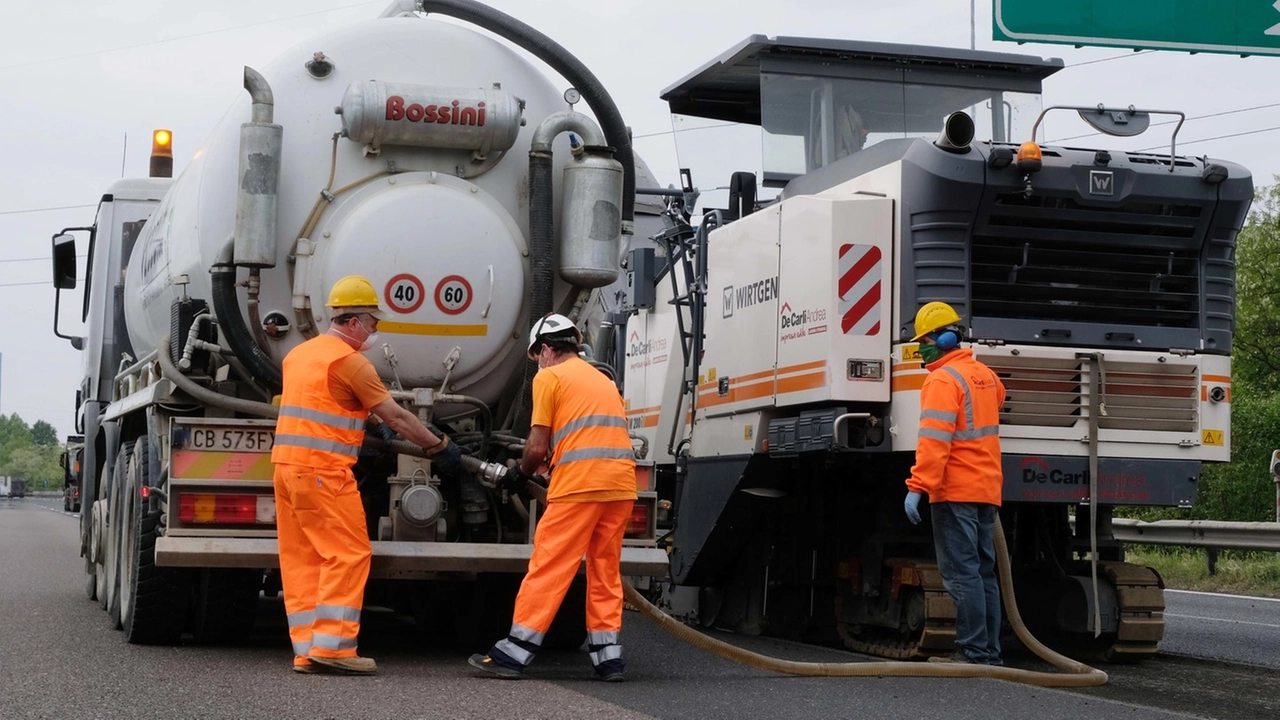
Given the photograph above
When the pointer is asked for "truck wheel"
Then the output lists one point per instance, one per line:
(154, 601)
(569, 628)
(482, 609)
(226, 603)
(111, 536)
(93, 564)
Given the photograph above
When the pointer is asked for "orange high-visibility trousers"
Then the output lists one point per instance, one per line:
(324, 558)
(566, 532)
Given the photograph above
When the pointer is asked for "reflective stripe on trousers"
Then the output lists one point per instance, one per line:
(567, 532)
(602, 646)
(520, 645)
(324, 558)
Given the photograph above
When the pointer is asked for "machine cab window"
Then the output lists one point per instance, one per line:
(818, 101)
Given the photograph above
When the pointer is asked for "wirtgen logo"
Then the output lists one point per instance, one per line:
(728, 302)
(1102, 182)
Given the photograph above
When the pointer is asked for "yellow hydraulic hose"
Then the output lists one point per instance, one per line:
(1074, 674)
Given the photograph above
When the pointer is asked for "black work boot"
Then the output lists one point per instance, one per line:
(494, 667)
(956, 656)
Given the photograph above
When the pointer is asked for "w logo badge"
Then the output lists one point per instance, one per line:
(1102, 182)
(728, 302)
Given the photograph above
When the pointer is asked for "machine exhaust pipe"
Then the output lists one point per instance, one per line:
(957, 133)
(257, 199)
(589, 187)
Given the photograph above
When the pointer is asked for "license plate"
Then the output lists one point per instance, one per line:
(228, 439)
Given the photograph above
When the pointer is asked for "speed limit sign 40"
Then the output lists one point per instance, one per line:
(453, 295)
(405, 293)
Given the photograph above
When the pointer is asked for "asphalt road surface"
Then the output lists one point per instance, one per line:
(60, 658)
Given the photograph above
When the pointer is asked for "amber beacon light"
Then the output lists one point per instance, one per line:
(161, 153)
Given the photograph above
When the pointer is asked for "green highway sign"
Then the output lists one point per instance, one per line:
(1240, 27)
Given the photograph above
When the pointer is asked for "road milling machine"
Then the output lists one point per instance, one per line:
(767, 361)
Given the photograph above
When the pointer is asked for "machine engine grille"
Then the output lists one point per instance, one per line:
(1137, 396)
(1052, 259)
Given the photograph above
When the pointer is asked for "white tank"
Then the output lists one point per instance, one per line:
(448, 254)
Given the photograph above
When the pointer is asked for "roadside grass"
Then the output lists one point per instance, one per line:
(1238, 572)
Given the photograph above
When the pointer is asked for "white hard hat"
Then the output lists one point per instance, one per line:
(553, 324)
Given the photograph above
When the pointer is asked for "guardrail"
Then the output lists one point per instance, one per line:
(1214, 534)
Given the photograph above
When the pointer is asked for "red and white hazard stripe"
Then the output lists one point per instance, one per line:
(859, 289)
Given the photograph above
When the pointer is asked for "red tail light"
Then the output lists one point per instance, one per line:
(224, 508)
(639, 525)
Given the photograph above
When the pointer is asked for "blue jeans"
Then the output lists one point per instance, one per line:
(964, 537)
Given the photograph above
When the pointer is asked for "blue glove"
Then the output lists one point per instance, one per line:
(911, 505)
(448, 459)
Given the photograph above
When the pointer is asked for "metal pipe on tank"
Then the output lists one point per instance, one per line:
(563, 62)
(400, 8)
(257, 194)
(541, 212)
(565, 121)
(591, 202)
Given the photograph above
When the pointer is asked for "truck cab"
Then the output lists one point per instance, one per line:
(122, 212)
(71, 461)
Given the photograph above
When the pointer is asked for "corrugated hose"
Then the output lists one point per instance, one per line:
(1074, 673)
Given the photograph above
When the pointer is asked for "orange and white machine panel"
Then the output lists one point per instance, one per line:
(907, 376)
(833, 326)
(654, 371)
(737, 369)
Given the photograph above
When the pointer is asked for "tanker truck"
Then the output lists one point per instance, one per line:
(469, 192)
(769, 360)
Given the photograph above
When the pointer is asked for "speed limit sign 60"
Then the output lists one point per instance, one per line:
(405, 293)
(453, 295)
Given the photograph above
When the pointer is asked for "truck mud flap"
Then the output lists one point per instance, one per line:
(404, 560)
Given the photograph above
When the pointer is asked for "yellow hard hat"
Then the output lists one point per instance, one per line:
(355, 294)
(934, 316)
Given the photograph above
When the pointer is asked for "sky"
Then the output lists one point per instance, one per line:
(77, 77)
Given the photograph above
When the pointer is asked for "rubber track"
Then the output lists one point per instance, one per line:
(1140, 593)
(938, 636)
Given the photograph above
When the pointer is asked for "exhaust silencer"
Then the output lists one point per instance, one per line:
(957, 133)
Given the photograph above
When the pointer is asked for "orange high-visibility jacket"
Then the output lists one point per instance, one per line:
(313, 430)
(958, 453)
(592, 458)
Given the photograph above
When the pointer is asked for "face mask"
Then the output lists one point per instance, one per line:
(367, 343)
(930, 354)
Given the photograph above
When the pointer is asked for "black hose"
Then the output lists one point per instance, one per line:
(560, 60)
(226, 304)
(541, 262)
(486, 416)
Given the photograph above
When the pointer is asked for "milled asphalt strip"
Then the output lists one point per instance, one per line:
(1222, 620)
(1224, 595)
